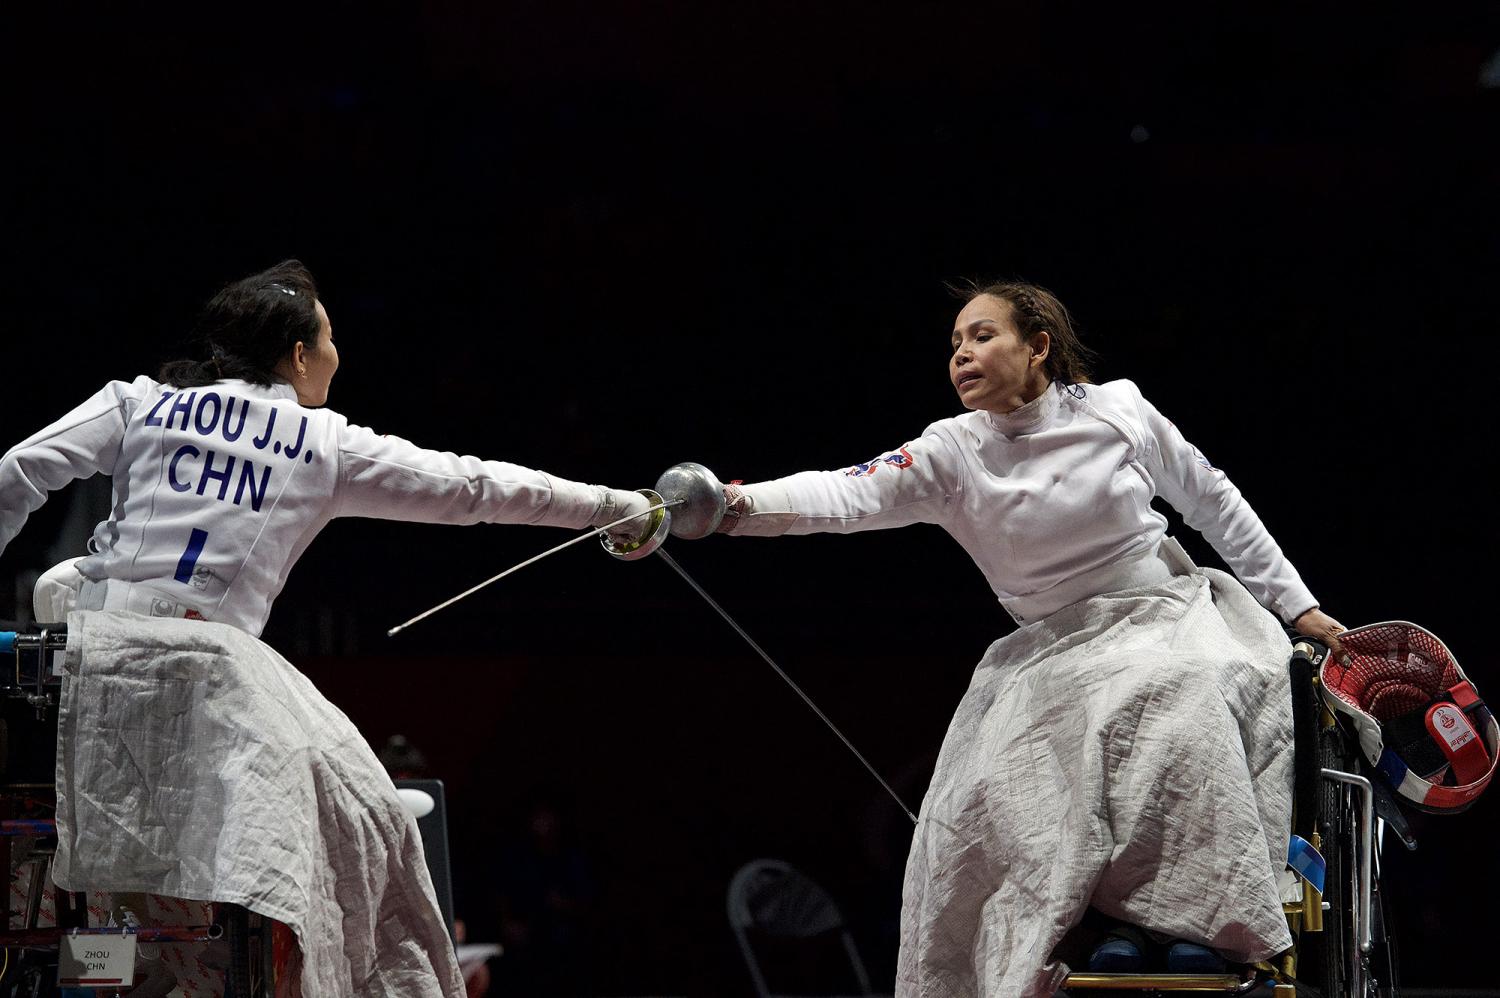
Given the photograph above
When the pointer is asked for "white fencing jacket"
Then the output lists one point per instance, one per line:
(218, 490)
(1052, 501)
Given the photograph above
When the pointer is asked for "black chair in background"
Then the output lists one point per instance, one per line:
(789, 930)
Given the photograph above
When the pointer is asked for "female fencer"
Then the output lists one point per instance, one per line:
(226, 467)
(1129, 746)
(244, 784)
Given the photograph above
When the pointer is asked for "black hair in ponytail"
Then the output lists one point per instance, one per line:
(249, 327)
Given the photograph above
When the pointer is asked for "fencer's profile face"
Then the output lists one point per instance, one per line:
(315, 368)
(992, 367)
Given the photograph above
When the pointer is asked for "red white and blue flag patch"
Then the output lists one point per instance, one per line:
(900, 459)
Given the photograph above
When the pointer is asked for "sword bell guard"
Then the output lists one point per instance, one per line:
(659, 524)
(702, 497)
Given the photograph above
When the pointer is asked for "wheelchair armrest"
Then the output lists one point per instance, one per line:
(1311, 649)
(1306, 721)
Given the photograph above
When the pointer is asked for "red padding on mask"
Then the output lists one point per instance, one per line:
(1463, 694)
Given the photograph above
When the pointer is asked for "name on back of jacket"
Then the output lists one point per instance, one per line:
(213, 461)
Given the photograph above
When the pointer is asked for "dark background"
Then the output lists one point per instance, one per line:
(600, 239)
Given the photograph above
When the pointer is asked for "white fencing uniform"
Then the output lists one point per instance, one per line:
(1130, 746)
(218, 490)
(1050, 500)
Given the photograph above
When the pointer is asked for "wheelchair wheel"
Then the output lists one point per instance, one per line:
(1332, 958)
(1327, 958)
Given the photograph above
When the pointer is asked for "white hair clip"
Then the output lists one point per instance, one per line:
(283, 289)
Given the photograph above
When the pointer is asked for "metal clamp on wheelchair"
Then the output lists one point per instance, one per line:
(37, 665)
(30, 679)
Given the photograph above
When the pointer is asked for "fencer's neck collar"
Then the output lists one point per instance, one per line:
(283, 389)
(277, 389)
(1028, 418)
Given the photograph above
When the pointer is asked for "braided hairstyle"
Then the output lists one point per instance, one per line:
(249, 327)
(1034, 309)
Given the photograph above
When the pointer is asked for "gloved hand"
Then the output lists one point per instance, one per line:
(737, 506)
(744, 515)
(618, 503)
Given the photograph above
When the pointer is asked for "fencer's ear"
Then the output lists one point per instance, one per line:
(1041, 345)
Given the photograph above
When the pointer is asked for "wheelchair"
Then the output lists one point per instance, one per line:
(29, 686)
(1341, 945)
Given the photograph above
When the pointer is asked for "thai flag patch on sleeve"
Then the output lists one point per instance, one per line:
(900, 459)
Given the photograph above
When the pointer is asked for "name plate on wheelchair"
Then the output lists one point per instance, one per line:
(96, 958)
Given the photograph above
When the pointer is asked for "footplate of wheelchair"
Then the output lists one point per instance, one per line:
(1161, 983)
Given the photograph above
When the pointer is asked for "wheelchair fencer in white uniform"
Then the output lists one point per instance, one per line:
(1129, 746)
(224, 472)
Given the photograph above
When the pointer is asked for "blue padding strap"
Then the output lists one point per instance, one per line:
(1307, 861)
(7, 642)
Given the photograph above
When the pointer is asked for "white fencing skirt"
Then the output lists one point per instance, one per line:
(1133, 752)
(195, 762)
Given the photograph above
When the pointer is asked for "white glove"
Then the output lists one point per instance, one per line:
(618, 503)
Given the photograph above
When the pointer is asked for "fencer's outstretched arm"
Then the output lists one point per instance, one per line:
(378, 476)
(387, 477)
(915, 483)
